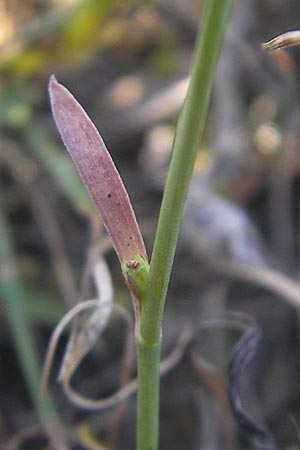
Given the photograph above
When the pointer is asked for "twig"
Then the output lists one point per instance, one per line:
(60, 327)
(289, 39)
(215, 383)
(263, 276)
(125, 392)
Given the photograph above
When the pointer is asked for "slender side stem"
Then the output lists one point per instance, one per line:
(189, 129)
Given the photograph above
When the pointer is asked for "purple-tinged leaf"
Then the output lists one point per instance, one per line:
(98, 172)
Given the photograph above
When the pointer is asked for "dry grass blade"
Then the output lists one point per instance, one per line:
(265, 277)
(87, 439)
(208, 374)
(256, 432)
(125, 392)
(289, 39)
(84, 339)
(60, 327)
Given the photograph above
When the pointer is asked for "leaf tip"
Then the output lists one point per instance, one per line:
(56, 91)
(52, 83)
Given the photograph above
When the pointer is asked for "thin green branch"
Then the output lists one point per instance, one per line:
(185, 147)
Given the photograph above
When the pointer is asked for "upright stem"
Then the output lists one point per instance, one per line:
(189, 129)
(190, 126)
(148, 358)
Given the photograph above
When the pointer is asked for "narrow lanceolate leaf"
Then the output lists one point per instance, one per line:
(98, 172)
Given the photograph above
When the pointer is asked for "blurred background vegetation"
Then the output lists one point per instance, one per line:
(127, 62)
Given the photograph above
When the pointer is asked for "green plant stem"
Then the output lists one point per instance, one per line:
(189, 129)
(148, 395)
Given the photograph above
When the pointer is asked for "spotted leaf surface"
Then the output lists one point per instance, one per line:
(98, 172)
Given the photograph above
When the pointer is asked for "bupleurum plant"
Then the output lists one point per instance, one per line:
(147, 283)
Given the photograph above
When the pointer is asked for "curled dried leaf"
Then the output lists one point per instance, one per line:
(289, 39)
(84, 339)
(256, 432)
(122, 394)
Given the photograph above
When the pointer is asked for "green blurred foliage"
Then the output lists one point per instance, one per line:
(65, 35)
(16, 105)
